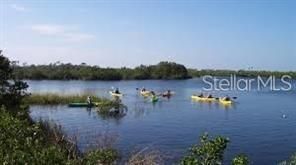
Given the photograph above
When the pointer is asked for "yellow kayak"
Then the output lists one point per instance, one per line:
(145, 93)
(202, 98)
(225, 102)
(115, 94)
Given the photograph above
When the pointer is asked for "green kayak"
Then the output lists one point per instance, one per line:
(154, 99)
(95, 104)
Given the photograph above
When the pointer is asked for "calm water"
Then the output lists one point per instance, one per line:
(254, 123)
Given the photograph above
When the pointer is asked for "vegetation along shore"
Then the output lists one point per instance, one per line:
(56, 99)
(162, 70)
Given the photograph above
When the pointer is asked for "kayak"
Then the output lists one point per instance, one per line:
(202, 98)
(225, 102)
(116, 94)
(145, 93)
(168, 95)
(154, 99)
(95, 104)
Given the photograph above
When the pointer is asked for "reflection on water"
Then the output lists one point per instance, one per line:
(254, 123)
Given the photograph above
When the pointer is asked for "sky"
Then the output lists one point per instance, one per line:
(202, 34)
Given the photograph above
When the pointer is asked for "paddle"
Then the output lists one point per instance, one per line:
(234, 98)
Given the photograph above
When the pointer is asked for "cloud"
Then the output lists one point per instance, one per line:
(48, 29)
(18, 8)
(67, 33)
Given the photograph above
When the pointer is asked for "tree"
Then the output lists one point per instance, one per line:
(12, 90)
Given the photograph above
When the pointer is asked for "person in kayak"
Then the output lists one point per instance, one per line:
(117, 91)
(201, 95)
(153, 96)
(227, 98)
(143, 89)
(210, 96)
(89, 100)
(152, 93)
(167, 93)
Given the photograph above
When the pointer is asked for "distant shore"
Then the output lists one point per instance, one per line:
(160, 71)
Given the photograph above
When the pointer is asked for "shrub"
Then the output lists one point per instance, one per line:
(241, 159)
(23, 143)
(208, 152)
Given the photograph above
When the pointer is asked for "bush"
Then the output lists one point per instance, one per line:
(23, 143)
(208, 152)
(240, 160)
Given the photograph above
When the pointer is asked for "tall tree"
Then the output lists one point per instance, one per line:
(12, 90)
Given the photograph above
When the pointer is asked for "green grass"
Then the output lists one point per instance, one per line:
(58, 99)
(107, 107)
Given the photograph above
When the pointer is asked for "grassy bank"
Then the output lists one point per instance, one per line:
(58, 99)
(24, 142)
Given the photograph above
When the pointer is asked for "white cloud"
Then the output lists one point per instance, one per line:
(48, 29)
(67, 33)
(18, 8)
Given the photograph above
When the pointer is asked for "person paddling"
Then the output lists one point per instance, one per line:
(143, 89)
(152, 93)
(210, 96)
(201, 95)
(89, 100)
(117, 91)
(167, 93)
(227, 98)
(153, 96)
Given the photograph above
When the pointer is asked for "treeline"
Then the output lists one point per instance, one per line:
(162, 70)
(60, 71)
(239, 73)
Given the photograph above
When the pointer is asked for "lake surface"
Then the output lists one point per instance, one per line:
(254, 124)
